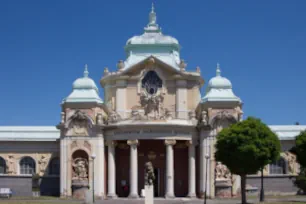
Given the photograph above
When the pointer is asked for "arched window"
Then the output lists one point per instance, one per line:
(278, 167)
(151, 82)
(54, 166)
(27, 165)
(2, 166)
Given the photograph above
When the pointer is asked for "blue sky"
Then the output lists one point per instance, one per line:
(260, 45)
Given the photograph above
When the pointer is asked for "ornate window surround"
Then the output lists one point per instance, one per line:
(159, 73)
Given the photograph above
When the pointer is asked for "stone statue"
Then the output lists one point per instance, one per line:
(113, 117)
(43, 161)
(152, 105)
(222, 172)
(80, 169)
(99, 119)
(10, 164)
(292, 162)
(192, 115)
(168, 114)
(149, 174)
(204, 118)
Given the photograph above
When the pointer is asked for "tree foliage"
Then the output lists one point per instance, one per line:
(300, 148)
(246, 147)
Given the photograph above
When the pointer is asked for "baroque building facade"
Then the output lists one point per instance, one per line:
(152, 111)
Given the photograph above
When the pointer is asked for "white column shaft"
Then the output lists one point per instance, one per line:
(111, 171)
(133, 171)
(191, 171)
(169, 171)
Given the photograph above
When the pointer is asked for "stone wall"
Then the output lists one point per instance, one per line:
(22, 185)
(282, 184)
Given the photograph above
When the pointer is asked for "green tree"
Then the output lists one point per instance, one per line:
(246, 147)
(300, 148)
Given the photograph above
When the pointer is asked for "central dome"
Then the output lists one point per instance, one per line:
(152, 38)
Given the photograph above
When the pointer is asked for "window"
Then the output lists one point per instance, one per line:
(27, 166)
(151, 82)
(278, 167)
(2, 166)
(54, 167)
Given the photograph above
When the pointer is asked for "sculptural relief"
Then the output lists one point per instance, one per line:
(79, 124)
(113, 117)
(149, 174)
(80, 169)
(292, 162)
(11, 164)
(153, 105)
(222, 172)
(43, 162)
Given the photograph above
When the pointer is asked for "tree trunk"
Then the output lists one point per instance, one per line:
(243, 193)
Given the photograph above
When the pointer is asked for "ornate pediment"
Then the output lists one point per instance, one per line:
(79, 124)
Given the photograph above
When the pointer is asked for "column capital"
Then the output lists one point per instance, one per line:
(132, 142)
(111, 143)
(170, 142)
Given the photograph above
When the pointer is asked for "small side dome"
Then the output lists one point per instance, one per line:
(219, 82)
(84, 89)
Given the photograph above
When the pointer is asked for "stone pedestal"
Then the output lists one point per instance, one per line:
(149, 193)
(223, 188)
(80, 189)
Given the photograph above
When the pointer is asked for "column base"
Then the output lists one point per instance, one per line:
(112, 195)
(192, 195)
(133, 195)
(169, 196)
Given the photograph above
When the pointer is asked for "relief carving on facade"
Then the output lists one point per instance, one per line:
(11, 164)
(80, 169)
(79, 124)
(77, 144)
(113, 117)
(293, 166)
(43, 163)
(222, 172)
(152, 105)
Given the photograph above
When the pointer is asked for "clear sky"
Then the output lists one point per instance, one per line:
(260, 45)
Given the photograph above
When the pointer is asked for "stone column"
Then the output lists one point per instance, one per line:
(111, 170)
(191, 169)
(133, 168)
(204, 149)
(63, 170)
(169, 169)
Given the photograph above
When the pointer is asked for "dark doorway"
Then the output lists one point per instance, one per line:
(156, 182)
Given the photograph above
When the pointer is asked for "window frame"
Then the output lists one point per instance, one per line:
(21, 168)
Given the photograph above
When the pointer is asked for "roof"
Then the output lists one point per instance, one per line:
(29, 133)
(287, 132)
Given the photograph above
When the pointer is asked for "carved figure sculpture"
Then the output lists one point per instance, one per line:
(99, 119)
(43, 161)
(149, 174)
(79, 124)
(222, 172)
(292, 162)
(204, 118)
(10, 164)
(152, 105)
(113, 117)
(80, 169)
(168, 115)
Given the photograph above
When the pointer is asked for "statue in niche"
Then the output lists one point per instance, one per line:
(80, 169)
(99, 119)
(292, 162)
(10, 164)
(222, 172)
(79, 124)
(149, 174)
(43, 161)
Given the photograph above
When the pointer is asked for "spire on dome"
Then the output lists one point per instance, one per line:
(152, 25)
(218, 71)
(86, 71)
